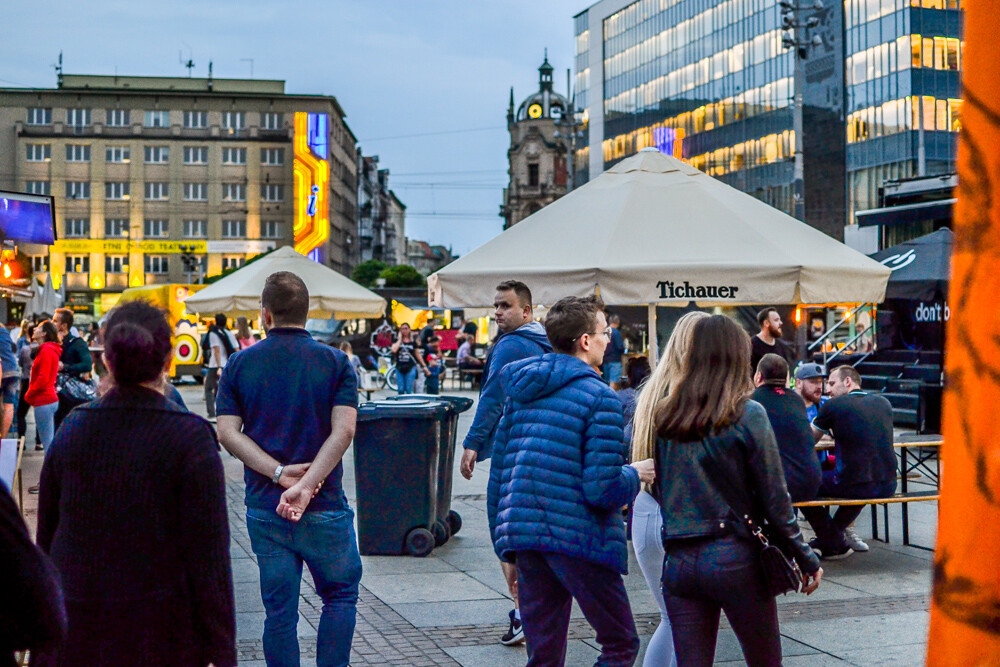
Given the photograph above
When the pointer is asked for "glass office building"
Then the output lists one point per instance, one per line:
(710, 82)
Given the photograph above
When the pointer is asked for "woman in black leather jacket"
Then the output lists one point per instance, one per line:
(711, 436)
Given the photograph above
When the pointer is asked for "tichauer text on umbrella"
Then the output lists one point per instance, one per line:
(671, 290)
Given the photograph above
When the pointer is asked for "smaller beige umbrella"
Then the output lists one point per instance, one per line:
(330, 293)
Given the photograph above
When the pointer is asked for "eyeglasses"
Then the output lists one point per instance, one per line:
(606, 333)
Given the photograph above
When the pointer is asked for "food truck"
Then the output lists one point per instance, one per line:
(187, 328)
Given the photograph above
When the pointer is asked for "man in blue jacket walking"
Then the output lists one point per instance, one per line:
(558, 482)
(520, 338)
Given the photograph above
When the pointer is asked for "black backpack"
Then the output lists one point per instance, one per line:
(206, 348)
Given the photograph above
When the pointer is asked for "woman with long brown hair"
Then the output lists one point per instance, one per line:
(646, 519)
(713, 443)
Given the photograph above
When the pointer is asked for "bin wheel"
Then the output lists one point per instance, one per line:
(441, 532)
(454, 522)
(419, 542)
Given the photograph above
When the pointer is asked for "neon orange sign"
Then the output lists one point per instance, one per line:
(311, 171)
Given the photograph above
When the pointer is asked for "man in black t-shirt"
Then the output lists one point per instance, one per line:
(768, 340)
(861, 425)
(787, 414)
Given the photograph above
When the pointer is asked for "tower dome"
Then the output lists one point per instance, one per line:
(546, 103)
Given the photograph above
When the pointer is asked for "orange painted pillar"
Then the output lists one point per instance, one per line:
(965, 616)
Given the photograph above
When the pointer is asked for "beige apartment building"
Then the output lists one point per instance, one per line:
(146, 170)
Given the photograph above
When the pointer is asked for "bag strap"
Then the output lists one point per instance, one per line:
(736, 505)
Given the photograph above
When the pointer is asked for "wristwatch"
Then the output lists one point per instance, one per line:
(277, 473)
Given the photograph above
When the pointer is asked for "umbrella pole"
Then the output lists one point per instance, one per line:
(654, 347)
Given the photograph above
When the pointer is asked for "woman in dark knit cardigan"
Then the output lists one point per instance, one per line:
(132, 511)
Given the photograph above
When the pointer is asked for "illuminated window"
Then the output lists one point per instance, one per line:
(195, 155)
(39, 116)
(915, 42)
(117, 154)
(157, 119)
(115, 228)
(117, 117)
(38, 152)
(195, 229)
(77, 190)
(951, 61)
(77, 153)
(156, 228)
(77, 263)
(77, 228)
(955, 115)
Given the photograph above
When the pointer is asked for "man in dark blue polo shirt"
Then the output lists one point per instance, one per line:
(287, 408)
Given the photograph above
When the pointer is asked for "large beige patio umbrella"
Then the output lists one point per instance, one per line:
(653, 230)
(330, 293)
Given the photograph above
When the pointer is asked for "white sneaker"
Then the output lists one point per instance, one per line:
(854, 541)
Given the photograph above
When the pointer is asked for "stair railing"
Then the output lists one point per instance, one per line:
(847, 318)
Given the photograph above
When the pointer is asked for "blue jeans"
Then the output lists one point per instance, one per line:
(326, 542)
(45, 422)
(406, 381)
(547, 583)
(702, 577)
(612, 371)
(830, 529)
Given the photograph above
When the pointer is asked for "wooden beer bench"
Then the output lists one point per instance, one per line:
(904, 497)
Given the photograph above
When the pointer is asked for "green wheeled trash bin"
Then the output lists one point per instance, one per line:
(449, 522)
(396, 453)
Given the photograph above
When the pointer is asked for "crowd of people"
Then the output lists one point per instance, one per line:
(132, 562)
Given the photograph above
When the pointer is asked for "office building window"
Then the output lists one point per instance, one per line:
(157, 119)
(234, 156)
(77, 153)
(232, 262)
(272, 121)
(39, 116)
(115, 263)
(196, 155)
(77, 190)
(77, 228)
(115, 228)
(195, 229)
(195, 192)
(118, 117)
(234, 120)
(39, 263)
(234, 229)
(118, 154)
(38, 152)
(156, 229)
(156, 264)
(78, 117)
(234, 192)
(195, 120)
(272, 229)
(272, 192)
(157, 190)
(272, 156)
(157, 154)
(116, 190)
(77, 263)
(37, 187)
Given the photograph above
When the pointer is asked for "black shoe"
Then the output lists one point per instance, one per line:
(515, 633)
(39, 448)
(826, 552)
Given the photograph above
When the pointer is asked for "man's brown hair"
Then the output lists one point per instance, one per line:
(570, 318)
(848, 372)
(764, 314)
(286, 297)
(519, 288)
(64, 316)
(773, 369)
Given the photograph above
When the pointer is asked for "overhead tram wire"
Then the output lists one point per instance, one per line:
(433, 134)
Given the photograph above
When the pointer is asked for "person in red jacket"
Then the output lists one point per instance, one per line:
(41, 393)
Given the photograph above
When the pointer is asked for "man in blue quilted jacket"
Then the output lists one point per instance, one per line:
(520, 338)
(557, 484)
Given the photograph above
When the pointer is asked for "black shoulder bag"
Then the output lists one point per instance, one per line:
(781, 573)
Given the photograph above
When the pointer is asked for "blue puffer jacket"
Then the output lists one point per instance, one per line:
(558, 479)
(528, 340)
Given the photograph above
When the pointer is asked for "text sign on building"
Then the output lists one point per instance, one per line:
(311, 170)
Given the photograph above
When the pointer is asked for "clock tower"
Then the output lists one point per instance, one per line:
(537, 157)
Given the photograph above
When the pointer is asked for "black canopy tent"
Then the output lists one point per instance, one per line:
(918, 288)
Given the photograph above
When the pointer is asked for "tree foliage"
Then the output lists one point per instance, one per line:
(366, 273)
(403, 275)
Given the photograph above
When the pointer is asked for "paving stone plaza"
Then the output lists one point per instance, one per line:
(450, 608)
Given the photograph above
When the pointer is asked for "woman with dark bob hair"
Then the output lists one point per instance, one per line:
(132, 510)
(714, 444)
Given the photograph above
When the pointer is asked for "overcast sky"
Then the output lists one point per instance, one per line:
(424, 83)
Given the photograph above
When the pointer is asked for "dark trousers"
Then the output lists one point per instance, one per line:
(22, 411)
(211, 389)
(705, 576)
(547, 584)
(830, 530)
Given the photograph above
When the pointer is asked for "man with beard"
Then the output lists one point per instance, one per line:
(768, 341)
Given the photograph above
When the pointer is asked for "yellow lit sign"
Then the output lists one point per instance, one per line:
(311, 170)
(535, 111)
(123, 246)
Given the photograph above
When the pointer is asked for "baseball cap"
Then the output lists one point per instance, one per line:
(810, 370)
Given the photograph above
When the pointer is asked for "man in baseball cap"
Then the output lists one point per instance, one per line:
(809, 385)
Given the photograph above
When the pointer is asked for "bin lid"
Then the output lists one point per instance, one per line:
(372, 410)
(459, 403)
